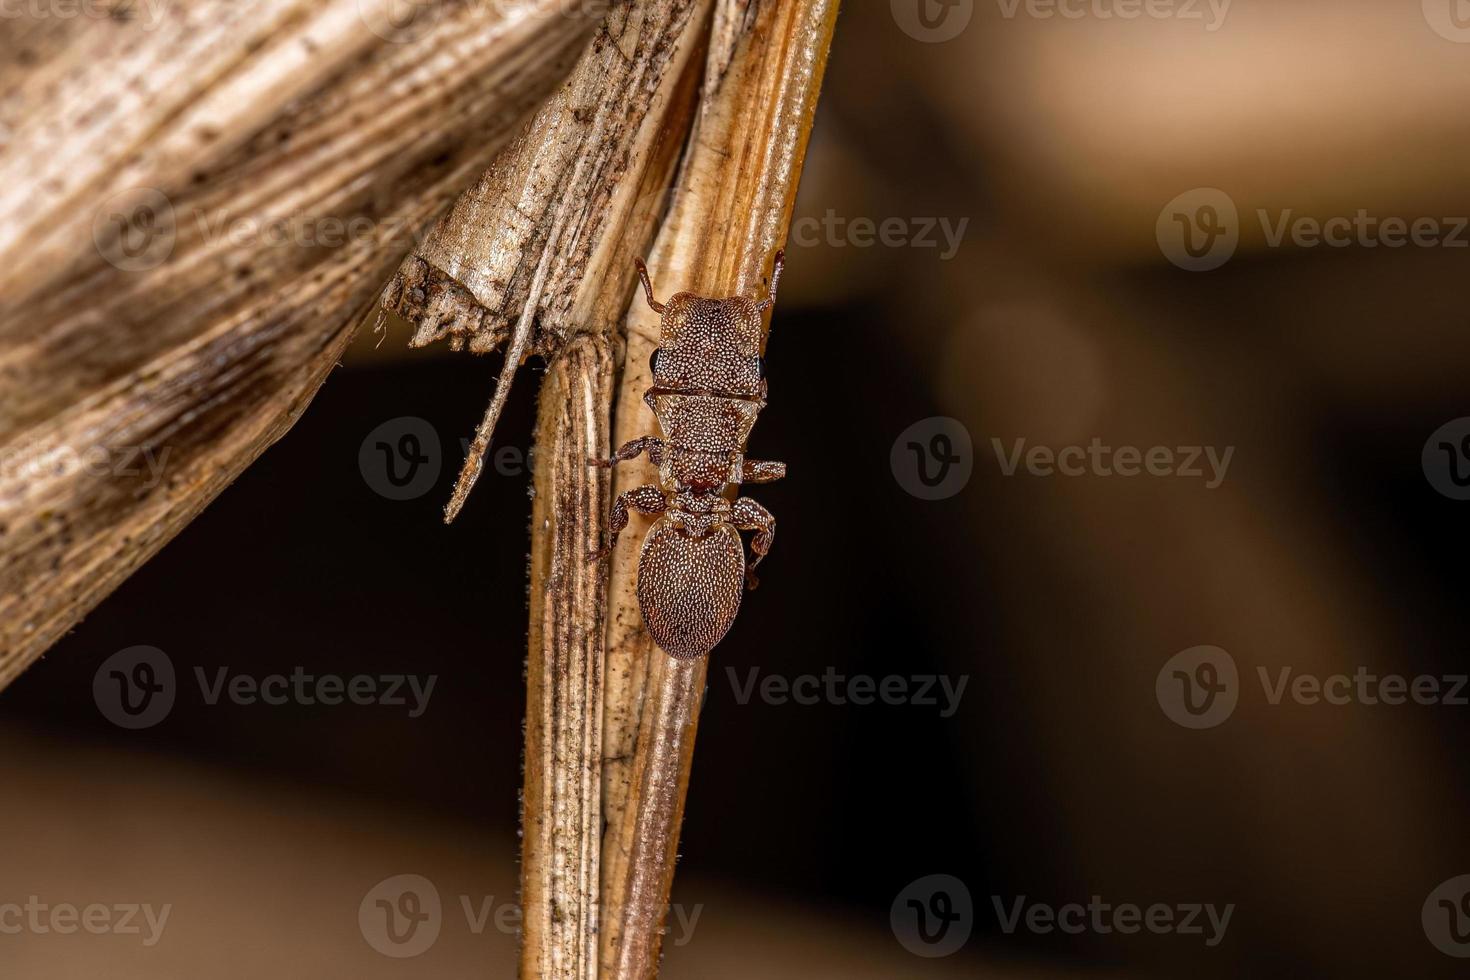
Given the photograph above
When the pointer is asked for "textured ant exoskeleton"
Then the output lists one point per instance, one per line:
(708, 388)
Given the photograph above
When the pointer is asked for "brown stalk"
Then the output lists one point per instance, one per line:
(537, 257)
(731, 210)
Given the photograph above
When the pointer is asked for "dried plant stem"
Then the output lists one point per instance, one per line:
(537, 257)
(648, 834)
(562, 819)
(730, 214)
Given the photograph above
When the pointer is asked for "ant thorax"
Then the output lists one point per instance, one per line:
(704, 438)
(706, 423)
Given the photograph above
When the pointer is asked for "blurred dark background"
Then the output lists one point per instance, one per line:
(1057, 600)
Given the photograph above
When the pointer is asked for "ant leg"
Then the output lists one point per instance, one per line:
(647, 499)
(632, 450)
(770, 300)
(648, 286)
(747, 515)
(761, 471)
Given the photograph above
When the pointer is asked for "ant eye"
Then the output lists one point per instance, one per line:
(760, 367)
(653, 362)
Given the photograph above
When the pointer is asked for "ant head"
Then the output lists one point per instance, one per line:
(710, 345)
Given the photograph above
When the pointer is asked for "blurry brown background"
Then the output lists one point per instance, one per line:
(1060, 140)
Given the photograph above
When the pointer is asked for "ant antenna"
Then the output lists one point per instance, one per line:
(648, 286)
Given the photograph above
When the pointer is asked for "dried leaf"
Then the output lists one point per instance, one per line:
(524, 258)
(285, 156)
